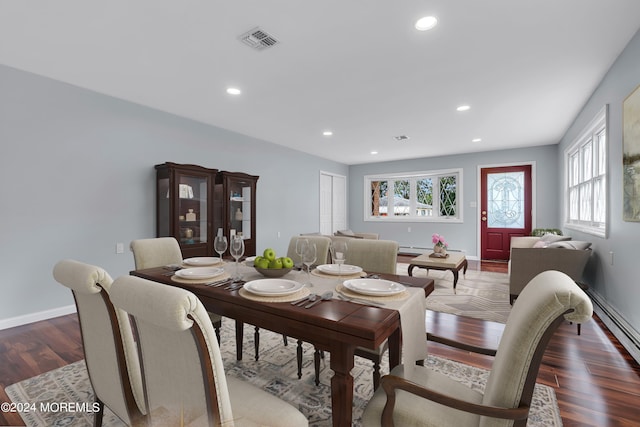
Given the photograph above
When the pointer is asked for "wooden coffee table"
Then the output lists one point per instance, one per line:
(454, 262)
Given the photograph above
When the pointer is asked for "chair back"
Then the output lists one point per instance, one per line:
(182, 367)
(156, 252)
(380, 256)
(322, 248)
(544, 303)
(110, 351)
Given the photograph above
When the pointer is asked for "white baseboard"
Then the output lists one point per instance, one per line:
(619, 327)
(36, 317)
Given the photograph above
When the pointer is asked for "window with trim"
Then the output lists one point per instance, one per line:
(586, 168)
(415, 196)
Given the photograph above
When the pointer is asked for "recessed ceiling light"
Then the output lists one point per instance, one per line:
(426, 23)
(476, 140)
(374, 152)
(463, 108)
(233, 91)
(327, 133)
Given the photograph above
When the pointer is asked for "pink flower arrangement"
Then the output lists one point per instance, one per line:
(438, 240)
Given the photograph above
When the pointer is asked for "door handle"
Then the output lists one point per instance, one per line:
(484, 218)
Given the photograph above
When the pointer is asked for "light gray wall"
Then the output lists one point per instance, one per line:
(462, 236)
(77, 176)
(617, 283)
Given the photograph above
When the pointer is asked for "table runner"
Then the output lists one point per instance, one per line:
(412, 309)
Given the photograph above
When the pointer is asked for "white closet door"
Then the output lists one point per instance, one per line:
(339, 199)
(333, 211)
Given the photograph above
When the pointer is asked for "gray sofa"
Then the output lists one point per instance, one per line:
(532, 255)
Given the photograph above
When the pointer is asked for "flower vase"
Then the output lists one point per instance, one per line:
(440, 250)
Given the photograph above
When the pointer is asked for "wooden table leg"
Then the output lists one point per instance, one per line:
(342, 384)
(395, 348)
(239, 339)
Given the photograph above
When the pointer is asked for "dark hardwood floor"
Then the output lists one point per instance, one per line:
(597, 383)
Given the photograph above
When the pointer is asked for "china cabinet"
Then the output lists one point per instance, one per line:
(185, 206)
(235, 206)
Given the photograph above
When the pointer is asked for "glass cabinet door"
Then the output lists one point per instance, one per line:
(240, 199)
(192, 200)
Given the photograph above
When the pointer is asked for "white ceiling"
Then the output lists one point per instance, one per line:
(357, 67)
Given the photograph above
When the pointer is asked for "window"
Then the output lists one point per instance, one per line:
(415, 196)
(586, 168)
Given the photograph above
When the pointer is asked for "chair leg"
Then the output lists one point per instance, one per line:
(217, 325)
(299, 358)
(97, 418)
(317, 354)
(376, 375)
(256, 342)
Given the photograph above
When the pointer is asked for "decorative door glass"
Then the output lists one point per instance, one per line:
(192, 209)
(505, 200)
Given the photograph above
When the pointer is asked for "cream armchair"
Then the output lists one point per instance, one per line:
(428, 398)
(527, 260)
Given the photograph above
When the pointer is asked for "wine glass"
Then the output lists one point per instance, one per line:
(220, 245)
(237, 250)
(309, 256)
(338, 250)
(301, 245)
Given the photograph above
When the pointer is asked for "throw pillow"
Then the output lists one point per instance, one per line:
(540, 244)
(550, 238)
(347, 232)
(574, 244)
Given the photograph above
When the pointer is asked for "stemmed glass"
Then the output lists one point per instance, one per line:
(309, 256)
(220, 245)
(338, 253)
(301, 245)
(237, 250)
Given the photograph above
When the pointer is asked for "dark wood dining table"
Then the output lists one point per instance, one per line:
(339, 327)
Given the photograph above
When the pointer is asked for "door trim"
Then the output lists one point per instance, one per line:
(479, 197)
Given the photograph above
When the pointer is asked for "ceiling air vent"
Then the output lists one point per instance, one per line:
(401, 137)
(258, 39)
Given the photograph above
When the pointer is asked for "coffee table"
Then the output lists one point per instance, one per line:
(454, 262)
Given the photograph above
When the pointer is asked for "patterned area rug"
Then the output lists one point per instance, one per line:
(479, 294)
(275, 372)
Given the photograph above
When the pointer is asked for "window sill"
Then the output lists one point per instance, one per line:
(599, 232)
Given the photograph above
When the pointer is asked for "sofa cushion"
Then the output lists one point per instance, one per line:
(550, 238)
(573, 244)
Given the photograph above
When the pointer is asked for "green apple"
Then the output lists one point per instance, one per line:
(275, 264)
(261, 263)
(287, 262)
(258, 258)
(269, 254)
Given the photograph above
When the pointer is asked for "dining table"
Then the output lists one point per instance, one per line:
(339, 324)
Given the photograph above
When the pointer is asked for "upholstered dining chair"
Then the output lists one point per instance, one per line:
(109, 348)
(418, 396)
(161, 251)
(322, 248)
(379, 256)
(184, 378)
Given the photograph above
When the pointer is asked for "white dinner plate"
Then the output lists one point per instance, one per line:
(273, 287)
(345, 269)
(202, 261)
(199, 273)
(374, 287)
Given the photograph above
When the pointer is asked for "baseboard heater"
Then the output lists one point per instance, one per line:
(623, 331)
(417, 250)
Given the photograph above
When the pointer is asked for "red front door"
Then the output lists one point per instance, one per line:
(505, 209)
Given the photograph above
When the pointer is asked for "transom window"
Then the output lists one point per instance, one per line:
(586, 167)
(414, 196)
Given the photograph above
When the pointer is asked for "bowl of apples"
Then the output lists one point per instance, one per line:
(269, 265)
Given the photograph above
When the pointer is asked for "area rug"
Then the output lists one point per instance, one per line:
(275, 372)
(479, 294)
